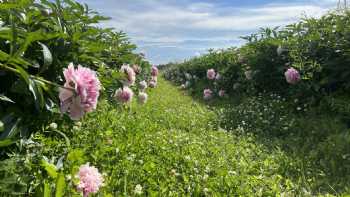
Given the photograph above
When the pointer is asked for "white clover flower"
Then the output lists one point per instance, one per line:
(138, 189)
(53, 125)
(75, 128)
(205, 177)
(78, 124)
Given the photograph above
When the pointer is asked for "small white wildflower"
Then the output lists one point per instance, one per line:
(231, 172)
(78, 124)
(205, 190)
(173, 172)
(298, 108)
(53, 125)
(138, 189)
(75, 128)
(187, 157)
(68, 177)
(205, 177)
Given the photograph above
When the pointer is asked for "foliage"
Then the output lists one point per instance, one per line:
(318, 48)
(37, 40)
(171, 147)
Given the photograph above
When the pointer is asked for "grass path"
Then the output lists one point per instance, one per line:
(171, 147)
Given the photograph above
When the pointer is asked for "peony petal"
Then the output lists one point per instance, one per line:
(76, 110)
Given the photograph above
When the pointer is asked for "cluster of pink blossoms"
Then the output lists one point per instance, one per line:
(153, 82)
(80, 92)
(90, 180)
(124, 95)
(213, 75)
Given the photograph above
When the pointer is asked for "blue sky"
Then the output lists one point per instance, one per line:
(174, 30)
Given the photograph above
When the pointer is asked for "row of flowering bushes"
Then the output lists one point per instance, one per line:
(306, 60)
(38, 39)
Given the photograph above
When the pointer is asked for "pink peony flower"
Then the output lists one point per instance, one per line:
(207, 94)
(80, 92)
(143, 85)
(124, 95)
(222, 93)
(131, 76)
(211, 74)
(152, 84)
(90, 180)
(292, 76)
(137, 69)
(143, 97)
(154, 71)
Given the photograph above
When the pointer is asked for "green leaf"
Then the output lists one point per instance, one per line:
(23, 74)
(47, 56)
(50, 168)
(47, 189)
(2, 127)
(60, 185)
(5, 98)
(33, 37)
(17, 4)
(38, 94)
(11, 127)
(6, 142)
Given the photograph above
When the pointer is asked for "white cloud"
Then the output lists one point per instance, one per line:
(184, 27)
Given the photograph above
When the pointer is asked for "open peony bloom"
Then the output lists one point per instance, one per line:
(143, 85)
(292, 76)
(81, 91)
(124, 95)
(90, 180)
(207, 94)
(131, 76)
(136, 68)
(154, 71)
(152, 84)
(211, 74)
(143, 97)
(222, 93)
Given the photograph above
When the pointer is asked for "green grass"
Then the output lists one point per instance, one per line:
(172, 146)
